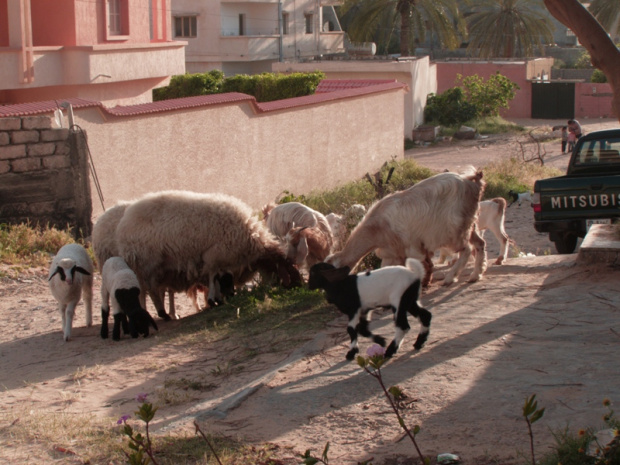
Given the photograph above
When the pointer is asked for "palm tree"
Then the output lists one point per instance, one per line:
(508, 28)
(380, 20)
(607, 12)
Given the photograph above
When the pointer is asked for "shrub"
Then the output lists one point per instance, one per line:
(191, 85)
(449, 108)
(490, 96)
(598, 76)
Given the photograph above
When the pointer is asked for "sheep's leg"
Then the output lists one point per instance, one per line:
(158, 302)
(424, 317)
(503, 239)
(68, 321)
(87, 292)
(480, 264)
(215, 296)
(171, 308)
(105, 314)
(63, 316)
(116, 330)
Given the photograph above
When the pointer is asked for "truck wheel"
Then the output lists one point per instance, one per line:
(566, 243)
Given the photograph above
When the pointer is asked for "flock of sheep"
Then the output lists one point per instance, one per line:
(179, 241)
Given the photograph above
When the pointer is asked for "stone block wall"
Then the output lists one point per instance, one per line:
(43, 175)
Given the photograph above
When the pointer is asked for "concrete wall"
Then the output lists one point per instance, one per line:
(43, 175)
(593, 100)
(520, 72)
(419, 75)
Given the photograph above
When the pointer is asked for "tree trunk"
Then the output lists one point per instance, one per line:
(404, 8)
(603, 53)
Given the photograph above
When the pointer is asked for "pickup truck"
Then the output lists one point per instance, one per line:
(566, 206)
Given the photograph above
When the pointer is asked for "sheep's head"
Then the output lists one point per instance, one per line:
(276, 264)
(66, 269)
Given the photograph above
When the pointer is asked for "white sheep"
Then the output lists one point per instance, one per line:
(120, 284)
(70, 276)
(305, 233)
(395, 287)
(341, 225)
(491, 216)
(437, 212)
(195, 236)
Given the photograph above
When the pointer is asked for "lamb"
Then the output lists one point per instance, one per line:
(105, 246)
(121, 283)
(491, 216)
(194, 236)
(396, 287)
(305, 233)
(70, 276)
(437, 212)
(519, 197)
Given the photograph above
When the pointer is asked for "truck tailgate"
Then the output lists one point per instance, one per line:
(575, 197)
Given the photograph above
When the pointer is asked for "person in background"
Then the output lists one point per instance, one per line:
(572, 139)
(564, 139)
(574, 127)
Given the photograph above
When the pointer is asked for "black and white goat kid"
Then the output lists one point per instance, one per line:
(396, 287)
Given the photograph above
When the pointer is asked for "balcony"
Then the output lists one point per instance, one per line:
(249, 48)
(62, 66)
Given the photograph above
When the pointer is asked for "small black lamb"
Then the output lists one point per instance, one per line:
(395, 287)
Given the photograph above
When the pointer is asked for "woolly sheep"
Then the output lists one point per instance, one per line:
(70, 276)
(121, 284)
(395, 287)
(196, 235)
(437, 212)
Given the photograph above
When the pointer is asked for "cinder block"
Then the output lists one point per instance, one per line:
(8, 152)
(56, 162)
(25, 137)
(10, 124)
(23, 165)
(48, 148)
(54, 135)
(37, 122)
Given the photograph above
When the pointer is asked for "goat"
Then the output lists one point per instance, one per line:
(395, 287)
(437, 212)
(491, 216)
(519, 197)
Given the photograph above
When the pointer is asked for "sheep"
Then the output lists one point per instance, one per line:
(519, 197)
(396, 287)
(105, 246)
(304, 232)
(437, 212)
(491, 216)
(70, 276)
(121, 283)
(195, 236)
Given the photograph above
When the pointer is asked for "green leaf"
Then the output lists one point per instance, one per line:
(537, 415)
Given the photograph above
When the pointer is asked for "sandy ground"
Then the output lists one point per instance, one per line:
(540, 324)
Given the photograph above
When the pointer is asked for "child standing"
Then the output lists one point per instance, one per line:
(572, 138)
(564, 139)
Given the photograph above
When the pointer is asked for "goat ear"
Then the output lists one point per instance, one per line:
(79, 269)
(337, 274)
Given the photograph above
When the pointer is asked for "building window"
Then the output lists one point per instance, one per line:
(117, 15)
(285, 20)
(242, 24)
(309, 23)
(185, 26)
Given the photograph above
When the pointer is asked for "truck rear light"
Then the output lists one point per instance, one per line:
(536, 202)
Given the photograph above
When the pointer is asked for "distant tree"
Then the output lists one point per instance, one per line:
(380, 20)
(603, 53)
(607, 12)
(508, 28)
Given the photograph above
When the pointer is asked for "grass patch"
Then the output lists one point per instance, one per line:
(487, 125)
(24, 245)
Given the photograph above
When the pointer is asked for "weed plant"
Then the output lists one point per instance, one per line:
(26, 245)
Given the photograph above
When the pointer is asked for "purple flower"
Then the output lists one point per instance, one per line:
(122, 419)
(141, 397)
(375, 350)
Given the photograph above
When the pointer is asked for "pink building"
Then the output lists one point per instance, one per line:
(112, 51)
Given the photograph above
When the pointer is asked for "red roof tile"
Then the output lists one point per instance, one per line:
(331, 85)
(35, 108)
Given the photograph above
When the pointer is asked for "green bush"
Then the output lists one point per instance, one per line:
(449, 108)
(191, 85)
(266, 87)
(598, 76)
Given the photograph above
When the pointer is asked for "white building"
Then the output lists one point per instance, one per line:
(248, 36)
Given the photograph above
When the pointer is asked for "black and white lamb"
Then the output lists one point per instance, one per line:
(120, 284)
(70, 276)
(396, 287)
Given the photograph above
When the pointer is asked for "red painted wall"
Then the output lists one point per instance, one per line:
(53, 23)
(4, 24)
(593, 100)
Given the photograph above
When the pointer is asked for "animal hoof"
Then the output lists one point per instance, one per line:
(352, 353)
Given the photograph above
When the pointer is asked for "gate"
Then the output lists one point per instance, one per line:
(553, 100)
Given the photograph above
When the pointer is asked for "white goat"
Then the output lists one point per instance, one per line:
(121, 284)
(70, 276)
(341, 225)
(437, 212)
(190, 237)
(519, 197)
(395, 287)
(490, 216)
